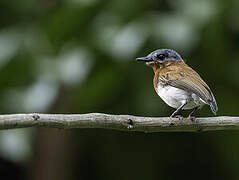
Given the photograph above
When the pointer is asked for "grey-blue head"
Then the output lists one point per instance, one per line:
(161, 56)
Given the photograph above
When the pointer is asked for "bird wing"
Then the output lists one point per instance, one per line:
(188, 80)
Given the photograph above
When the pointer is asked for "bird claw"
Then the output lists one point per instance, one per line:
(192, 118)
(180, 117)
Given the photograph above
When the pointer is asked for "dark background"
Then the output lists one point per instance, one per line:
(78, 56)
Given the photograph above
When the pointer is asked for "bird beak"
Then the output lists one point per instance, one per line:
(145, 59)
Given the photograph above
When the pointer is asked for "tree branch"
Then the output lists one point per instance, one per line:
(118, 122)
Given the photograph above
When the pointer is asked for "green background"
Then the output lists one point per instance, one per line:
(78, 56)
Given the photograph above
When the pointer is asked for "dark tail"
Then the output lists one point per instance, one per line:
(212, 102)
(213, 105)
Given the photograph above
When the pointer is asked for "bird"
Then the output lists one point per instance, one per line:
(177, 84)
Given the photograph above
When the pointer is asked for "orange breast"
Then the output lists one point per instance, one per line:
(165, 69)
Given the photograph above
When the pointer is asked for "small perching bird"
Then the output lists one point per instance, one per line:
(177, 84)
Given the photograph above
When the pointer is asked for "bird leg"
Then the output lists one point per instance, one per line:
(190, 116)
(175, 113)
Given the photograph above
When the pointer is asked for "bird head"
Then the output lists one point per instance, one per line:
(161, 56)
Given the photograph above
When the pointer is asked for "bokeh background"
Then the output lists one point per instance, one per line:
(78, 56)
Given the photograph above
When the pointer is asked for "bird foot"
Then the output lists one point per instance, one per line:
(192, 118)
(180, 117)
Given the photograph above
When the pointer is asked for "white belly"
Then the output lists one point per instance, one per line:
(175, 97)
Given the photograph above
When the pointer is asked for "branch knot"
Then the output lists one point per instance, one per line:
(130, 124)
(35, 117)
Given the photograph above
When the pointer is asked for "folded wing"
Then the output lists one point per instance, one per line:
(188, 80)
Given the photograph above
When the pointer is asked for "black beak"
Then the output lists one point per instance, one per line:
(145, 59)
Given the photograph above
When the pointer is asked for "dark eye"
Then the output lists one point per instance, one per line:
(160, 56)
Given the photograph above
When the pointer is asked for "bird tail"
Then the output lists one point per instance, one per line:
(213, 105)
(212, 102)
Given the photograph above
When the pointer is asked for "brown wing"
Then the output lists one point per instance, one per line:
(187, 79)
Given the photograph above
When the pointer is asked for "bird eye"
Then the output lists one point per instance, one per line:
(160, 56)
